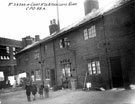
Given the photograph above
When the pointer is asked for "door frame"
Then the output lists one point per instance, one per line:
(119, 59)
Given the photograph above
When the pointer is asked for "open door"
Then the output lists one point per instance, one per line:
(52, 76)
(117, 77)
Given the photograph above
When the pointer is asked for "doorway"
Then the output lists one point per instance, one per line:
(116, 72)
(52, 77)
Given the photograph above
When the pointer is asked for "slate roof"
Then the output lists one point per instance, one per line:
(85, 19)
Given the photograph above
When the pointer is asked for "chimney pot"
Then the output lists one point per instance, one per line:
(54, 21)
(51, 22)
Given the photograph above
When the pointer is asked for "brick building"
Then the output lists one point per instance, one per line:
(101, 46)
(8, 50)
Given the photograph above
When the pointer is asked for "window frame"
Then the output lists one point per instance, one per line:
(66, 68)
(89, 32)
(86, 35)
(47, 73)
(60, 43)
(94, 67)
(45, 49)
(36, 55)
(38, 75)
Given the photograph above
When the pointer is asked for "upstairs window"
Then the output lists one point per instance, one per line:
(45, 49)
(86, 34)
(4, 53)
(64, 43)
(7, 49)
(36, 55)
(90, 32)
(94, 67)
(61, 43)
(15, 51)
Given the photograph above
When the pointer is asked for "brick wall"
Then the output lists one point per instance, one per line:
(114, 38)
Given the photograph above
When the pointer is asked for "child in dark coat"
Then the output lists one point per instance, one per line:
(41, 87)
(34, 90)
(28, 91)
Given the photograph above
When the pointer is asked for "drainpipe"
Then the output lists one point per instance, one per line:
(55, 62)
(74, 51)
(105, 44)
(41, 63)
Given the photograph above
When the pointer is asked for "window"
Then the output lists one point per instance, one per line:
(7, 48)
(89, 68)
(86, 34)
(64, 43)
(47, 72)
(36, 55)
(89, 33)
(32, 76)
(94, 67)
(61, 43)
(14, 58)
(4, 57)
(98, 67)
(4, 53)
(93, 32)
(1, 76)
(66, 68)
(38, 75)
(15, 51)
(1, 57)
(63, 72)
(45, 49)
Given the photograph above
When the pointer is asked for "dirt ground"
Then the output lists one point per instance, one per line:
(117, 96)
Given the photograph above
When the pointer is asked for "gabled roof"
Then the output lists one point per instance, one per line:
(94, 14)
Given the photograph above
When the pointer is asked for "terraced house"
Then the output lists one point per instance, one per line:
(100, 46)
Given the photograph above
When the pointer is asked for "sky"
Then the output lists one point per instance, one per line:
(17, 22)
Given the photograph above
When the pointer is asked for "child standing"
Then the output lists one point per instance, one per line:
(41, 87)
(28, 91)
(34, 90)
(46, 89)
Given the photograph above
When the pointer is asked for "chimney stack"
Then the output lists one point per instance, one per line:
(53, 27)
(27, 41)
(37, 37)
(89, 5)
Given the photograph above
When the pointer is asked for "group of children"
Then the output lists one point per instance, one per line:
(33, 89)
